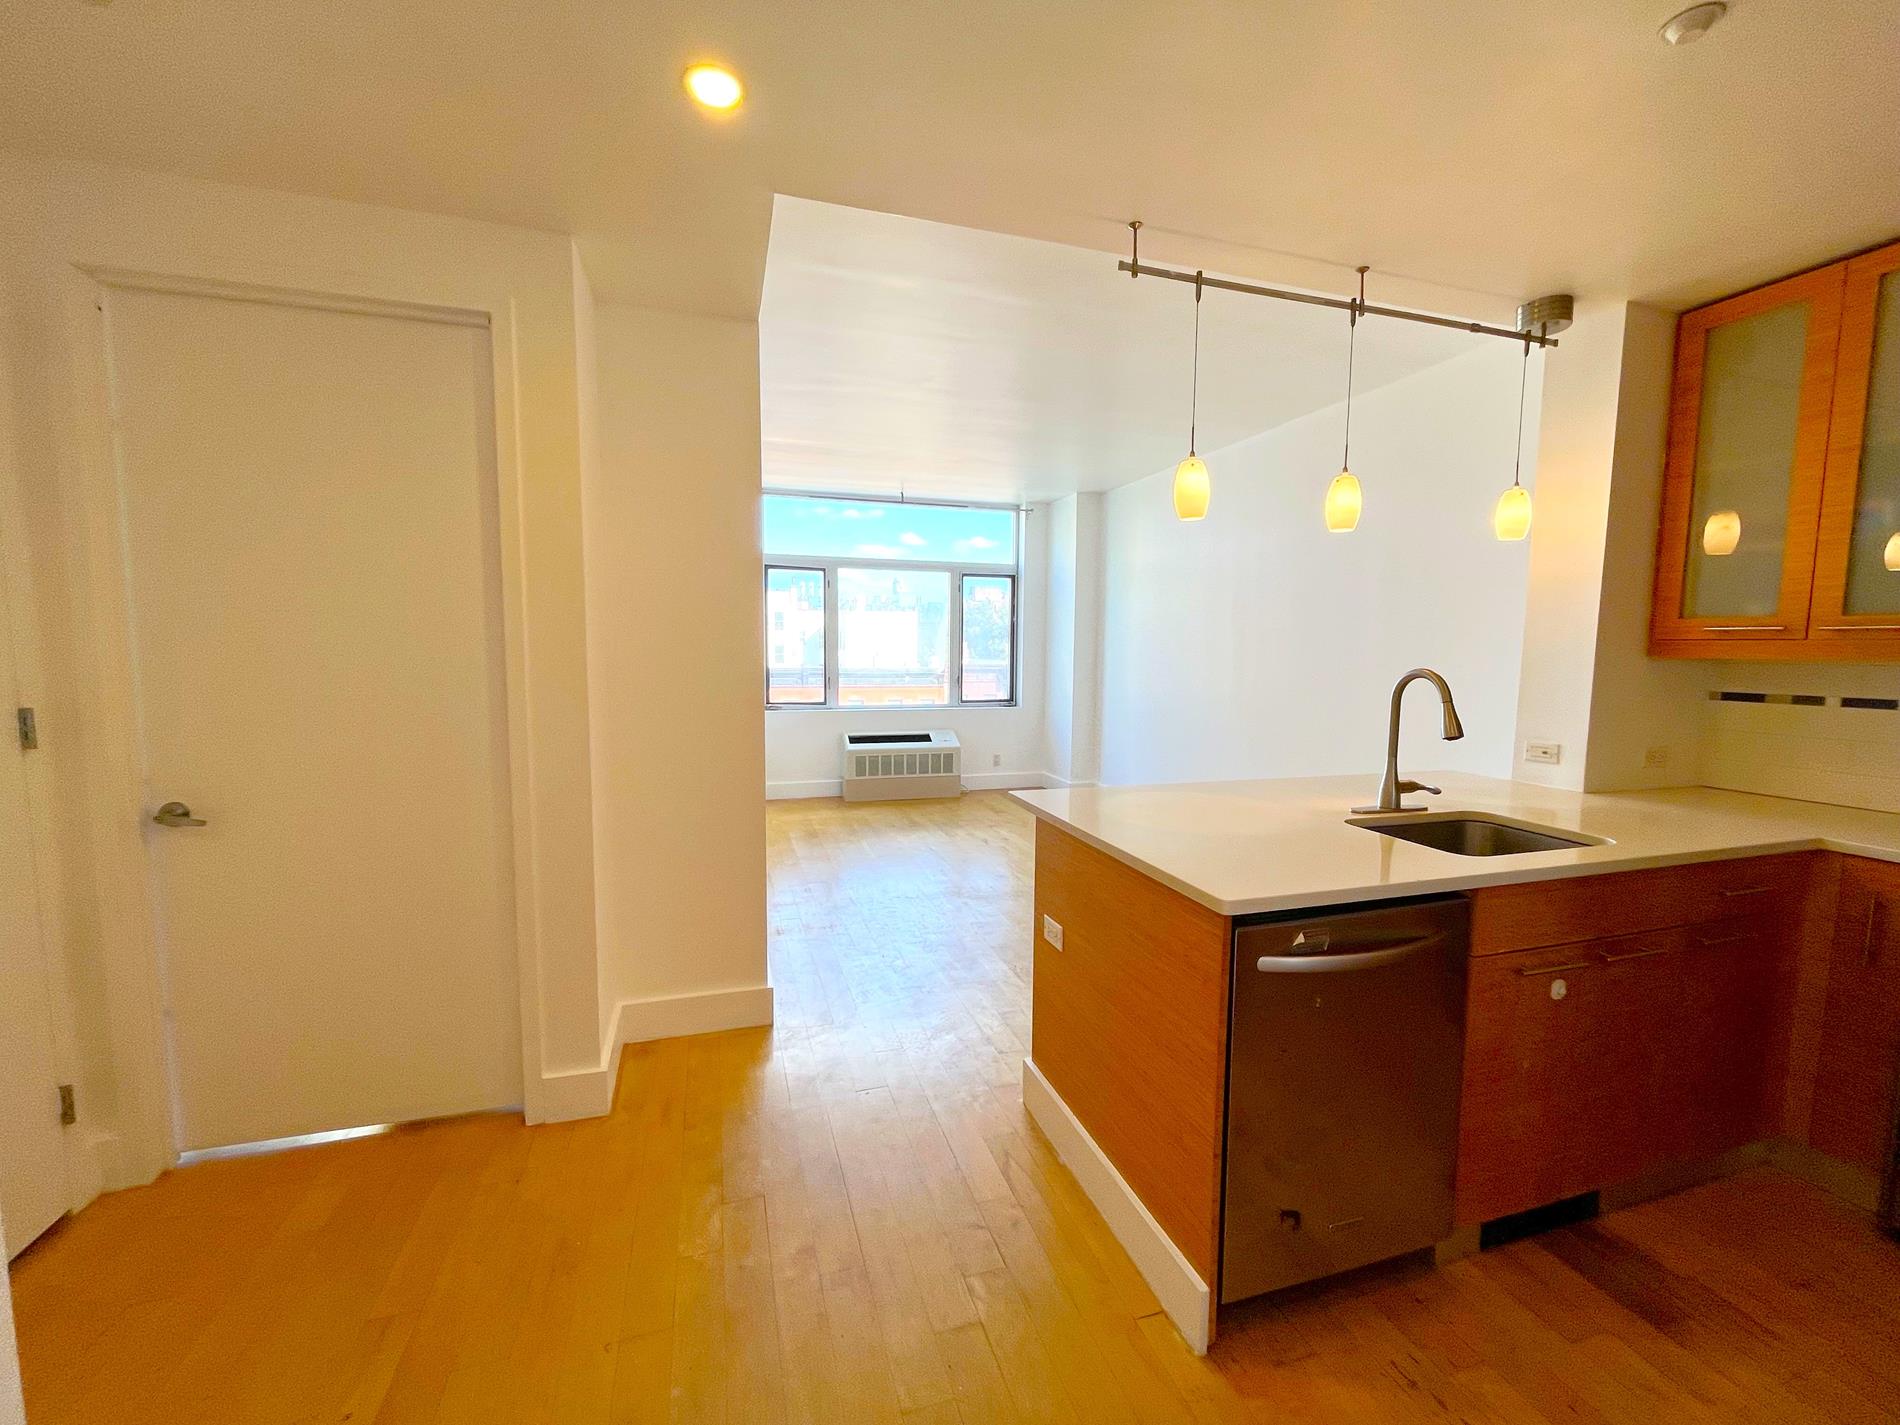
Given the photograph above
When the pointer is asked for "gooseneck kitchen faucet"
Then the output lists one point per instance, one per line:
(1393, 788)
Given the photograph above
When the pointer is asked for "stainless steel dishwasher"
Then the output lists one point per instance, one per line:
(1344, 1061)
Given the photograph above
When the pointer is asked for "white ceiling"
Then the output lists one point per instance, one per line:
(903, 355)
(1506, 146)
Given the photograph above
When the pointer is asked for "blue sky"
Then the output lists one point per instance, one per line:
(872, 529)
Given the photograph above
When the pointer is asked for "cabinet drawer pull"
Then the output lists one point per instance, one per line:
(1850, 627)
(1724, 939)
(1555, 969)
(1609, 959)
(1744, 628)
(1746, 890)
(1867, 936)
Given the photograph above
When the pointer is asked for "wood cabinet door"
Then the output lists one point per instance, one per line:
(1682, 1045)
(1857, 557)
(1715, 1048)
(1530, 1123)
(1853, 1113)
(1748, 440)
(1646, 1100)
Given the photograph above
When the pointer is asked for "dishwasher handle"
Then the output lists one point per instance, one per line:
(1349, 960)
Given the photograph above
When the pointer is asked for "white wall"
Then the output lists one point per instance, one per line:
(1002, 747)
(1257, 644)
(1072, 675)
(1588, 683)
(674, 620)
(1645, 724)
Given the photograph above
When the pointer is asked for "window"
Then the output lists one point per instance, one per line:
(989, 635)
(795, 646)
(872, 603)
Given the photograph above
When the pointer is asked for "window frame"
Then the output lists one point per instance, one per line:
(765, 591)
(829, 565)
(1015, 622)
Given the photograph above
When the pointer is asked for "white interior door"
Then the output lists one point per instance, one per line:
(33, 1190)
(309, 506)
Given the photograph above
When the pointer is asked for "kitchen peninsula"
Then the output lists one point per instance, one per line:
(1713, 975)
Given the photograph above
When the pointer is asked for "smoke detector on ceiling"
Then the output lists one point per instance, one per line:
(1692, 24)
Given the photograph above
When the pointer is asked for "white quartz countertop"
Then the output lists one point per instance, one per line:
(1243, 847)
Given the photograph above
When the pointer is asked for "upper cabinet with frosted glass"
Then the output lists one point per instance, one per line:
(1780, 529)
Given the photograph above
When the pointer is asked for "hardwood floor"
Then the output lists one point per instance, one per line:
(850, 1219)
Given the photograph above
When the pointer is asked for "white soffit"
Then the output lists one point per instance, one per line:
(898, 355)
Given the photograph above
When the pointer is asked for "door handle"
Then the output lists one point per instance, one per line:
(1610, 959)
(1349, 960)
(176, 814)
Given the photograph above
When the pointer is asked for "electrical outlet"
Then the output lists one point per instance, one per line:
(996, 759)
(1656, 757)
(1052, 931)
(1550, 753)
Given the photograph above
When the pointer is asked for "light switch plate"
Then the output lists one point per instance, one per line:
(1052, 931)
(1550, 753)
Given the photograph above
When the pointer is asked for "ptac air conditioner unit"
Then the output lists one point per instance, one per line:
(888, 766)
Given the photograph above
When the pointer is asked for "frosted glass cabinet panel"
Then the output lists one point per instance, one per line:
(1857, 568)
(1748, 448)
(1744, 464)
(1873, 554)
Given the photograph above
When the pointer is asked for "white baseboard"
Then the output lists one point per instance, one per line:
(1172, 1278)
(589, 1093)
(1002, 781)
(1055, 784)
(792, 791)
(972, 782)
(574, 1093)
(671, 1016)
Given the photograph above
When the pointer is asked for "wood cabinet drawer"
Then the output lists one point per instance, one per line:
(1507, 918)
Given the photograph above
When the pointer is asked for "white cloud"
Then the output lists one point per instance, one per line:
(977, 541)
(913, 539)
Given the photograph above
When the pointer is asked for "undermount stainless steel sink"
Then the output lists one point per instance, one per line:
(1474, 834)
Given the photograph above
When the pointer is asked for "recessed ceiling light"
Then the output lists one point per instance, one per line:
(714, 86)
(1692, 24)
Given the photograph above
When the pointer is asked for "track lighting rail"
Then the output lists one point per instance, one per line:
(1135, 267)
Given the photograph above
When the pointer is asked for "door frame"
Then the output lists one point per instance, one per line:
(126, 885)
(19, 664)
(25, 657)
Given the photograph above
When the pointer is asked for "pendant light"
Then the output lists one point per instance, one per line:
(1511, 519)
(1891, 555)
(1344, 500)
(1721, 533)
(1191, 485)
